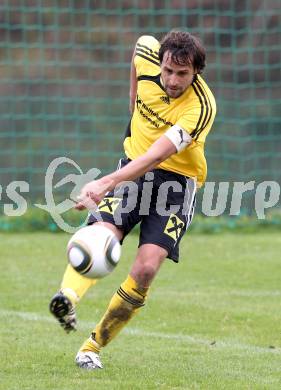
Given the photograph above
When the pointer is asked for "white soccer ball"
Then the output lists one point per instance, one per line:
(94, 251)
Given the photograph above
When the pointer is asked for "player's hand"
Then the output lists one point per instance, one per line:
(92, 194)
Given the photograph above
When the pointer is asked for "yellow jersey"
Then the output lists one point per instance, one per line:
(155, 112)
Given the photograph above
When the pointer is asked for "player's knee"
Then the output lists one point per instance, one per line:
(145, 274)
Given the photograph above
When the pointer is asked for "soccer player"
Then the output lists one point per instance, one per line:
(172, 112)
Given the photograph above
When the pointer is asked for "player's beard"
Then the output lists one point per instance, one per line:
(174, 92)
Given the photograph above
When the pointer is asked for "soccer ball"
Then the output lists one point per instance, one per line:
(94, 251)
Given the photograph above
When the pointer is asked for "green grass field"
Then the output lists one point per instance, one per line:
(211, 322)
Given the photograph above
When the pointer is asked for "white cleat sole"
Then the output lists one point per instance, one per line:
(88, 360)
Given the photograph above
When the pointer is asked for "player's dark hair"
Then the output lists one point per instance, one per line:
(184, 48)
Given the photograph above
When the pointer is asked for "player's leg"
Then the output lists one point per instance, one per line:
(160, 237)
(73, 288)
(125, 303)
(63, 303)
(74, 285)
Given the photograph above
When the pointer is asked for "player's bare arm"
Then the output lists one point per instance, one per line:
(173, 141)
(95, 190)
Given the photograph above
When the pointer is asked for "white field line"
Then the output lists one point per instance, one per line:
(86, 325)
(238, 293)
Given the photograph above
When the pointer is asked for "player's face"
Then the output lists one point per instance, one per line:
(176, 78)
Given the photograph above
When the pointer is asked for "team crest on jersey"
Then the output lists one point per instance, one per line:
(165, 99)
(109, 205)
(174, 227)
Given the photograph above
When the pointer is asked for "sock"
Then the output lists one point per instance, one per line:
(124, 304)
(74, 285)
